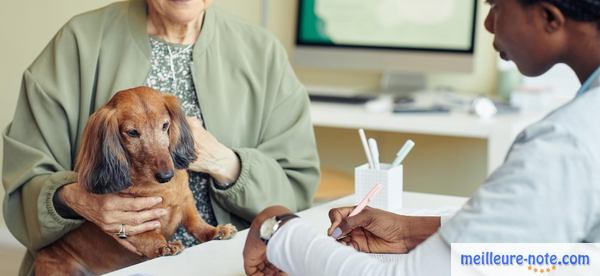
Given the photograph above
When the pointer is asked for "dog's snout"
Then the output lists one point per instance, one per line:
(164, 177)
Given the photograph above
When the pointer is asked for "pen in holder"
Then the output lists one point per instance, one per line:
(390, 196)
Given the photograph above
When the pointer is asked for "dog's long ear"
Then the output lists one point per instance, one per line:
(102, 165)
(181, 141)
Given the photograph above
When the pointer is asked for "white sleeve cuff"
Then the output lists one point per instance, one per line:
(298, 249)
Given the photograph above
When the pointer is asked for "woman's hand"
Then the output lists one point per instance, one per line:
(255, 250)
(378, 231)
(214, 158)
(111, 210)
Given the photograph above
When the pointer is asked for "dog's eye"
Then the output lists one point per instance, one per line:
(133, 133)
(165, 126)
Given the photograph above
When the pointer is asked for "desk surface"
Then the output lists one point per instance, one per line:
(499, 131)
(444, 124)
(225, 257)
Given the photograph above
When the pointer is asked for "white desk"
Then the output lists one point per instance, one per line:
(225, 257)
(499, 131)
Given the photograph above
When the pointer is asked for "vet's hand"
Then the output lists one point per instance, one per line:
(377, 231)
(214, 158)
(255, 250)
(111, 210)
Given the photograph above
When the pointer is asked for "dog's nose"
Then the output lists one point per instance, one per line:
(163, 177)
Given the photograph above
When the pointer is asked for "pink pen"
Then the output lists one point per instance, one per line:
(365, 200)
(363, 203)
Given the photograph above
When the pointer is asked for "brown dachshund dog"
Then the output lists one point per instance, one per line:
(139, 144)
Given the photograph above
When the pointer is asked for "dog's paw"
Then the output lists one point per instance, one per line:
(176, 247)
(164, 251)
(171, 249)
(225, 232)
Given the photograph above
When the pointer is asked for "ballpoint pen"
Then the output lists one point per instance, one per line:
(363, 203)
(374, 153)
(403, 152)
(361, 206)
(363, 140)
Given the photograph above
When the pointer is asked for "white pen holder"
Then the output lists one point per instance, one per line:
(390, 196)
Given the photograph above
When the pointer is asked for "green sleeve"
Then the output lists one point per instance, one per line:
(39, 149)
(284, 168)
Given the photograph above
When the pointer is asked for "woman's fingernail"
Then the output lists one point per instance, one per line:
(156, 224)
(336, 233)
(158, 199)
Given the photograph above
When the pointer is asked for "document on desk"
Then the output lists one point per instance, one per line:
(446, 211)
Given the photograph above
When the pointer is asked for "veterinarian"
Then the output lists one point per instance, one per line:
(546, 191)
(249, 115)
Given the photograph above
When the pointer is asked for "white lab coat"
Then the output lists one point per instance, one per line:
(548, 190)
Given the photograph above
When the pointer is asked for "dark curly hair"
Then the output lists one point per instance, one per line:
(580, 10)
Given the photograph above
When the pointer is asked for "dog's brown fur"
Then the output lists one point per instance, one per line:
(111, 160)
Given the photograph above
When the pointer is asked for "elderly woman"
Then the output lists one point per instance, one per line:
(251, 122)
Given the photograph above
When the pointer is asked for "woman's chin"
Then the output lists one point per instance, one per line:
(185, 16)
(532, 71)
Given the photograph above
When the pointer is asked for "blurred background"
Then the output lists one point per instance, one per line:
(367, 64)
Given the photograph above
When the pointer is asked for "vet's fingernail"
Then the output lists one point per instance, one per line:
(158, 199)
(336, 233)
(156, 224)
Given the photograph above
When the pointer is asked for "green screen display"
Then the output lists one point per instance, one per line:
(409, 24)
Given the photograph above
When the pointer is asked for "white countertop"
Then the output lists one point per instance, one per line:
(225, 257)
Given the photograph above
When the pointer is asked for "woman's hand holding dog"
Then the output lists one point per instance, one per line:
(214, 158)
(109, 211)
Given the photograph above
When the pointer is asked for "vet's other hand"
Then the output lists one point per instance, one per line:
(255, 250)
(377, 231)
(111, 210)
(214, 158)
